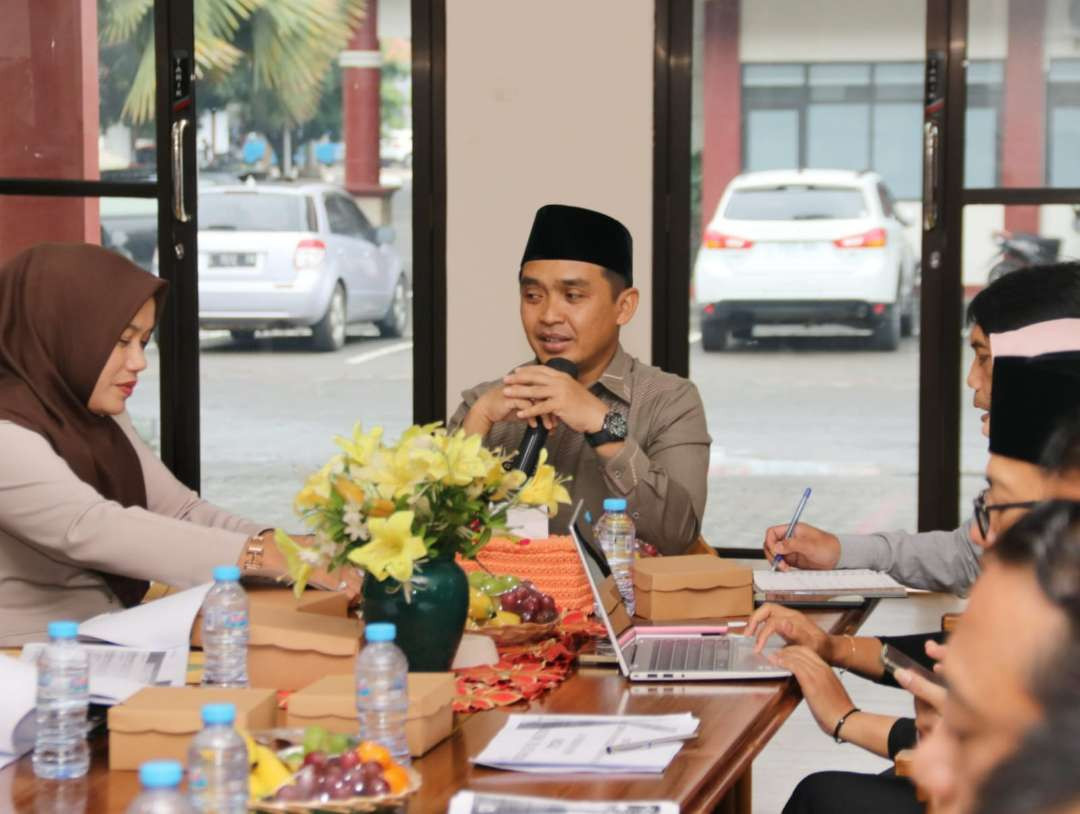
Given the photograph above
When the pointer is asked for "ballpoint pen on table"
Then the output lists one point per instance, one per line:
(648, 744)
(794, 522)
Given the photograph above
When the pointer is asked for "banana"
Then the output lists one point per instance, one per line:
(256, 789)
(270, 771)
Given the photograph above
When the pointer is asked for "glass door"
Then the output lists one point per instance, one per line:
(98, 148)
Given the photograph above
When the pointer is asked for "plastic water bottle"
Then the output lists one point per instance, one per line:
(63, 695)
(218, 764)
(616, 535)
(160, 781)
(382, 690)
(225, 630)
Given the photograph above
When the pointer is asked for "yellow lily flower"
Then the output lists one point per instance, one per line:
(463, 460)
(544, 488)
(359, 449)
(393, 548)
(298, 570)
(316, 491)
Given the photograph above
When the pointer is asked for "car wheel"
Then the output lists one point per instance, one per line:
(328, 334)
(911, 320)
(396, 321)
(242, 337)
(714, 335)
(887, 332)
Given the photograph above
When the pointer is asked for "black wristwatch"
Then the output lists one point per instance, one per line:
(614, 429)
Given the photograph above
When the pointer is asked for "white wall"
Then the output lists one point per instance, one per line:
(546, 102)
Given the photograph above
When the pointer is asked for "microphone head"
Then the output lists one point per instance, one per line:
(563, 365)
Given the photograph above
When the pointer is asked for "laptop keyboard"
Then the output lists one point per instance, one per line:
(695, 654)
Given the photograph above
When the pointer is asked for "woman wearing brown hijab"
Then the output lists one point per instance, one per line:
(88, 514)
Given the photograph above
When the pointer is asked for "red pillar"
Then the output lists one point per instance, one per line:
(49, 129)
(360, 105)
(721, 158)
(1023, 136)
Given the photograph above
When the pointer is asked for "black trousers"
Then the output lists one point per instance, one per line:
(853, 793)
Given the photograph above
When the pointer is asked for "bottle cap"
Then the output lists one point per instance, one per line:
(615, 504)
(380, 632)
(213, 714)
(227, 573)
(160, 774)
(63, 630)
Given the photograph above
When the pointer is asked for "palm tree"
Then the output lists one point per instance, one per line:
(292, 46)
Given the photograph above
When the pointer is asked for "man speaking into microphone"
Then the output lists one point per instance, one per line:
(619, 427)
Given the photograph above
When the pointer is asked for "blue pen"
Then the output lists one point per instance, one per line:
(794, 522)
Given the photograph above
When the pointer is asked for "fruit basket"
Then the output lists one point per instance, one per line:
(510, 610)
(317, 771)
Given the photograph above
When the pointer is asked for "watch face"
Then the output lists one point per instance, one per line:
(615, 424)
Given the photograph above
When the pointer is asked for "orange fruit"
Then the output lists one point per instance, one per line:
(397, 777)
(369, 750)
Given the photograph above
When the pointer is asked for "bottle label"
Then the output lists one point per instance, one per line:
(75, 683)
(227, 619)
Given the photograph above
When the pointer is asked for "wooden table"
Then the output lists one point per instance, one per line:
(709, 774)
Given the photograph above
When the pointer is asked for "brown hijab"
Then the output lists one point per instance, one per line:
(63, 307)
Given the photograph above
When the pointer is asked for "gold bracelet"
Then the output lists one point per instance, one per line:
(253, 554)
(851, 660)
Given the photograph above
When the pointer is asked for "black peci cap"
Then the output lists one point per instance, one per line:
(571, 233)
(1030, 396)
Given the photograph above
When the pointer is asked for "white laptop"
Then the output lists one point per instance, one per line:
(683, 653)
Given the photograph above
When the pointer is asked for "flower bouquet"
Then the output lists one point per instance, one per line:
(397, 510)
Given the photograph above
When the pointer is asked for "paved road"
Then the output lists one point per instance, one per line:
(783, 416)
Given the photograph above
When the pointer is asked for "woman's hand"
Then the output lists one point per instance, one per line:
(824, 694)
(275, 566)
(791, 625)
(348, 580)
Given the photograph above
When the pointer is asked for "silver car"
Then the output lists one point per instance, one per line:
(296, 255)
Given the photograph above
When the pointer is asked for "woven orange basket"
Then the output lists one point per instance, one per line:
(552, 565)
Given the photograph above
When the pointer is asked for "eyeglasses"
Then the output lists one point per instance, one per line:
(982, 510)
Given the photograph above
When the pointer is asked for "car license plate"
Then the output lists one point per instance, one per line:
(232, 259)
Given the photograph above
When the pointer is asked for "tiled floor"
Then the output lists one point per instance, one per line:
(800, 747)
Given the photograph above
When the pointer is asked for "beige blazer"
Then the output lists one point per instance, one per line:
(57, 533)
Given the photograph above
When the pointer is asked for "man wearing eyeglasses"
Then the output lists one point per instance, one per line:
(945, 560)
(1032, 397)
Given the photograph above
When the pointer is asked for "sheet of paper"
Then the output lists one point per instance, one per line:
(471, 802)
(117, 672)
(854, 580)
(578, 743)
(18, 688)
(157, 625)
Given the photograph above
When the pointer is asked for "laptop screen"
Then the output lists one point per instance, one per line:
(598, 572)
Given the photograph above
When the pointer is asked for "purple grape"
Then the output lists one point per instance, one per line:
(333, 763)
(360, 788)
(377, 787)
(288, 794)
(371, 769)
(306, 783)
(340, 790)
(317, 759)
(349, 760)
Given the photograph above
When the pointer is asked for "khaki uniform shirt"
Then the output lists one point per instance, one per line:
(661, 470)
(57, 533)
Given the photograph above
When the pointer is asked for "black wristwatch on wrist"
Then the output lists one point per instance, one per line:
(613, 429)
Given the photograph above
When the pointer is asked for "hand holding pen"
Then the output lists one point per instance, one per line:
(778, 558)
(798, 545)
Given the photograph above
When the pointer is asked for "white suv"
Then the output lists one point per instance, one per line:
(800, 247)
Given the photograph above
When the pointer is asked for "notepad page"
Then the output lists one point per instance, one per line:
(851, 580)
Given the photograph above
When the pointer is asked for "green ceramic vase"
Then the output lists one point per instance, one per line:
(429, 627)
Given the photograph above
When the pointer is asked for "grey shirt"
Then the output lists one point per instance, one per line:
(933, 560)
(662, 469)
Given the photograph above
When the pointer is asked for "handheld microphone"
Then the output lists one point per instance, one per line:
(528, 455)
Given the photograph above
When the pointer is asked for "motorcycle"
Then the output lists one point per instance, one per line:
(1018, 250)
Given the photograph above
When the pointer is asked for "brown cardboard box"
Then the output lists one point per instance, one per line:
(696, 586)
(159, 722)
(288, 650)
(325, 603)
(331, 703)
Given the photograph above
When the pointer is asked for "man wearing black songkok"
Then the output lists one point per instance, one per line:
(621, 428)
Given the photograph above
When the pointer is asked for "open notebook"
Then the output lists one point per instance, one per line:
(778, 585)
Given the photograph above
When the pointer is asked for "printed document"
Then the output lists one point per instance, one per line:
(471, 802)
(588, 743)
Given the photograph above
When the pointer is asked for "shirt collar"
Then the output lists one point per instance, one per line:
(616, 376)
